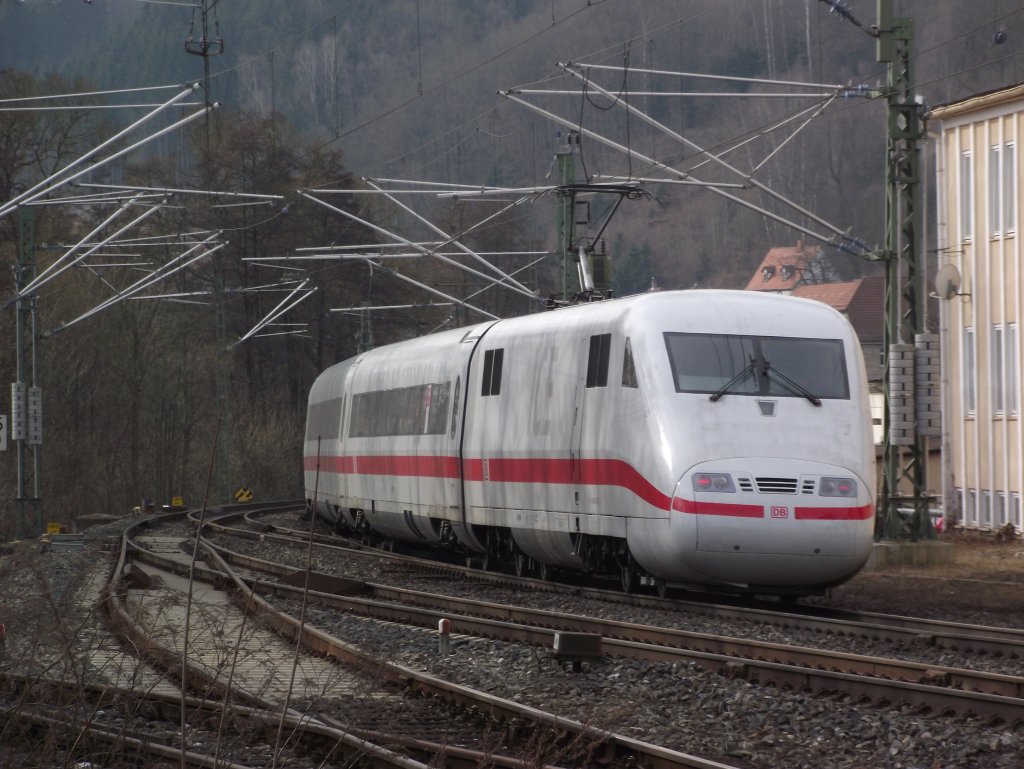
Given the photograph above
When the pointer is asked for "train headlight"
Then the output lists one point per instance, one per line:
(720, 482)
(837, 487)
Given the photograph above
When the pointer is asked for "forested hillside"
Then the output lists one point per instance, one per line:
(316, 93)
(408, 88)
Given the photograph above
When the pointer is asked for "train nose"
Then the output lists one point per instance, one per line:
(776, 519)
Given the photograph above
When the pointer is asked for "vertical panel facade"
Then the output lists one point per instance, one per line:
(978, 172)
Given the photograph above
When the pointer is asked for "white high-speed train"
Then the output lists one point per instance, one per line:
(711, 438)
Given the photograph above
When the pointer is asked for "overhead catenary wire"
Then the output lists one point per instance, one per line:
(684, 94)
(42, 187)
(89, 94)
(723, 149)
(683, 181)
(297, 295)
(682, 174)
(704, 76)
(728, 166)
(182, 191)
(486, 288)
(430, 289)
(452, 240)
(375, 308)
(90, 200)
(877, 76)
(61, 264)
(173, 266)
(54, 181)
(376, 228)
(590, 4)
(91, 107)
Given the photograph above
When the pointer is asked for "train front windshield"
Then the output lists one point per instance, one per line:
(784, 367)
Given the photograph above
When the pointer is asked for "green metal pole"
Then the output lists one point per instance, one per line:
(904, 448)
(565, 156)
(26, 400)
(222, 452)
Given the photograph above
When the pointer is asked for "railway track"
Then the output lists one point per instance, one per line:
(930, 688)
(421, 715)
(101, 700)
(956, 636)
(256, 702)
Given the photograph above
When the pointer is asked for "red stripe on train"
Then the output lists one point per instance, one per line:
(757, 511)
(406, 466)
(585, 472)
(717, 508)
(591, 472)
(835, 513)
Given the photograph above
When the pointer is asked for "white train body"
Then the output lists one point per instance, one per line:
(674, 434)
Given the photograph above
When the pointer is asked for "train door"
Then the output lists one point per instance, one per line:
(591, 380)
(579, 400)
(453, 448)
(469, 438)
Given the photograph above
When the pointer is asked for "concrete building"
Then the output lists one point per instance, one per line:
(980, 282)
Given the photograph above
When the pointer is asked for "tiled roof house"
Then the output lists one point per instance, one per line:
(784, 268)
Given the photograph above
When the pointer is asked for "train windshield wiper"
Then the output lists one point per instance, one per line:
(717, 394)
(794, 387)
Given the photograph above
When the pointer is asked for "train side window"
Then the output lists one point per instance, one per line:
(455, 408)
(415, 410)
(597, 363)
(323, 419)
(628, 367)
(491, 384)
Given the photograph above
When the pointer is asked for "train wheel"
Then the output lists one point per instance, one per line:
(629, 578)
(545, 572)
(522, 564)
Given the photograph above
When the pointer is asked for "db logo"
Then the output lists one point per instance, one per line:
(780, 512)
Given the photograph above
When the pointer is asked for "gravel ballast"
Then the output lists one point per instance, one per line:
(678, 705)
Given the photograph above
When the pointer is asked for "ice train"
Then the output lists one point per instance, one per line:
(697, 438)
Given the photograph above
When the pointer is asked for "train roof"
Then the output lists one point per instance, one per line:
(721, 310)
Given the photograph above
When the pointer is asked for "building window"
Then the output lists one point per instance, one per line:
(1009, 188)
(1002, 189)
(966, 196)
(997, 357)
(1018, 512)
(1000, 509)
(1012, 367)
(995, 188)
(968, 373)
(985, 521)
(971, 508)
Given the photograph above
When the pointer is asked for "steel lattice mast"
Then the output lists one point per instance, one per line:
(907, 343)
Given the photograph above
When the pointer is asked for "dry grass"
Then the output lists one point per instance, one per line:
(983, 556)
(976, 556)
(984, 583)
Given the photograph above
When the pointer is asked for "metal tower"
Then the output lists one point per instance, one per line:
(908, 347)
(26, 395)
